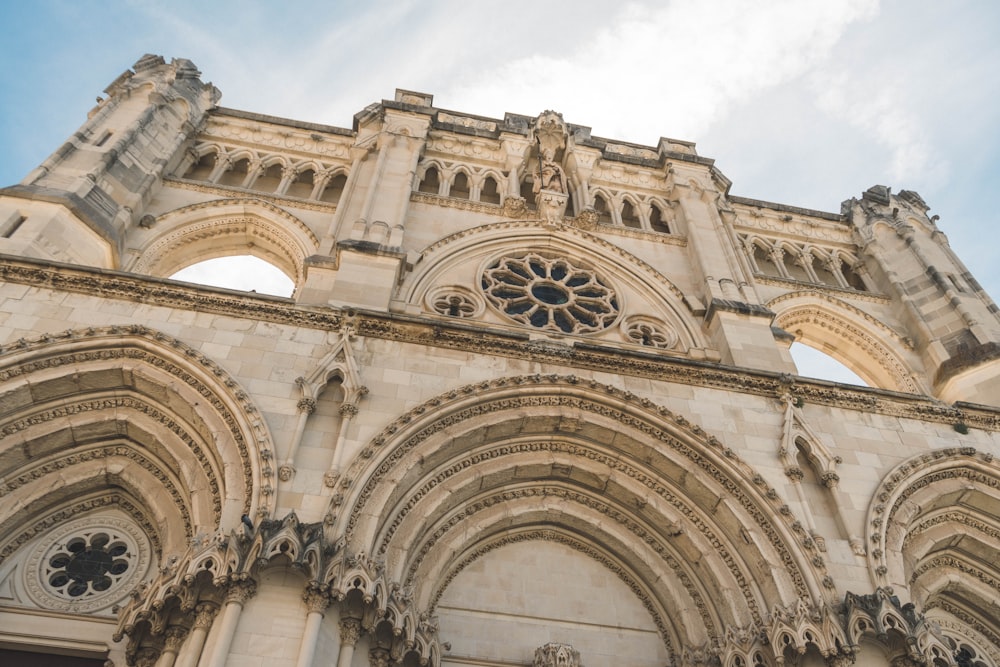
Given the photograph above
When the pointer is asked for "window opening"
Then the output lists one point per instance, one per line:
(491, 192)
(431, 183)
(603, 212)
(629, 217)
(656, 221)
(810, 362)
(460, 186)
(302, 186)
(202, 169)
(334, 189)
(528, 192)
(270, 179)
(242, 272)
(236, 176)
(14, 226)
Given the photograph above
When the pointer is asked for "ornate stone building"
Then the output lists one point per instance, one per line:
(531, 402)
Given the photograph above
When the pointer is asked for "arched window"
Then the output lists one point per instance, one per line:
(603, 210)
(762, 257)
(460, 186)
(202, 169)
(821, 265)
(528, 192)
(431, 182)
(270, 179)
(490, 193)
(810, 362)
(334, 189)
(302, 186)
(657, 221)
(242, 272)
(851, 276)
(237, 175)
(629, 216)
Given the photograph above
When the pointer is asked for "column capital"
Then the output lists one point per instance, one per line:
(350, 631)
(316, 600)
(241, 591)
(204, 613)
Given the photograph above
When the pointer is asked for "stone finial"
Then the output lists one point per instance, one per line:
(556, 655)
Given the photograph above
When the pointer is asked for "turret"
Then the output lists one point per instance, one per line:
(79, 204)
(951, 320)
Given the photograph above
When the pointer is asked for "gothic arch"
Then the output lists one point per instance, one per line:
(226, 227)
(630, 484)
(856, 339)
(136, 418)
(460, 259)
(932, 529)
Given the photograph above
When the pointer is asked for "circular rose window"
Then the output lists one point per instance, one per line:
(550, 293)
(87, 564)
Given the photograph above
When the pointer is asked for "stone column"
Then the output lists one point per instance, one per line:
(173, 638)
(317, 601)
(306, 406)
(350, 632)
(347, 412)
(204, 613)
(237, 595)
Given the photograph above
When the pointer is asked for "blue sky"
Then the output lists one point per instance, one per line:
(805, 103)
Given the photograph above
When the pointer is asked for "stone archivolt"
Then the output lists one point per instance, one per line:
(866, 344)
(439, 469)
(932, 548)
(224, 227)
(116, 380)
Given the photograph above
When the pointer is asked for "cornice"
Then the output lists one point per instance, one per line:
(582, 354)
(227, 192)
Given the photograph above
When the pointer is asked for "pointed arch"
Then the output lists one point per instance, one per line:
(866, 346)
(630, 483)
(225, 227)
(932, 531)
(460, 259)
(135, 414)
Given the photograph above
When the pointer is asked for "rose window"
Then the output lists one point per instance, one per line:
(87, 564)
(550, 294)
(650, 332)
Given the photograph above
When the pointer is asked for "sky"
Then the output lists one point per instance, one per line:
(800, 102)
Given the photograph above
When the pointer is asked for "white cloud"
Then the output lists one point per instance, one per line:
(679, 67)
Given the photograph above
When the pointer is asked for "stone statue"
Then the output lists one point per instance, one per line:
(551, 176)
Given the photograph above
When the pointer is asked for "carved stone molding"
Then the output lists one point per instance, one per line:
(562, 400)
(26, 357)
(269, 197)
(350, 631)
(114, 499)
(456, 203)
(25, 475)
(556, 655)
(127, 287)
(912, 476)
(50, 577)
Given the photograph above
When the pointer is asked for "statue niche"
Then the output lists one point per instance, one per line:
(550, 188)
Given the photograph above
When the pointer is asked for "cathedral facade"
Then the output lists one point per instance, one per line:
(530, 403)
